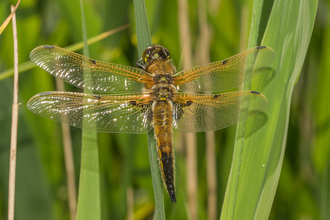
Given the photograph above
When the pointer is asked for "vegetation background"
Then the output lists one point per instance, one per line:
(41, 191)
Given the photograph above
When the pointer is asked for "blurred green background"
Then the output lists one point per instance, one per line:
(41, 190)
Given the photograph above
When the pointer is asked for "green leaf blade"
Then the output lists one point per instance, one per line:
(144, 40)
(89, 198)
(258, 166)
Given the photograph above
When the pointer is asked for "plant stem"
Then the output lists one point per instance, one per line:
(13, 140)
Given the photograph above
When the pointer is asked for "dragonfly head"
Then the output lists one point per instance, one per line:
(155, 53)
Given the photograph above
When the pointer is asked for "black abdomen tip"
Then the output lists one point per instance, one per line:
(172, 196)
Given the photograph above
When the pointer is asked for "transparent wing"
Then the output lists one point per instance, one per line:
(129, 113)
(196, 112)
(225, 74)
(101, 76)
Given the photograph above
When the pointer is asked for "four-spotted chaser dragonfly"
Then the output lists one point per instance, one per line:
(153, 95)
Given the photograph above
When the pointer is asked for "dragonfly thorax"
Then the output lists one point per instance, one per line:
(163, 91)
(163, 88)
(163, 78)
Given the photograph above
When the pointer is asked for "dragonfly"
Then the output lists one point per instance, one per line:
(152, 95)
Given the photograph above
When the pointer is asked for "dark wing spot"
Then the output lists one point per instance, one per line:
(97, 96)
(189, 103)
(45, 93)
(261, 47)
(216, 96)
(133, 103)
(93, 61)
(255, 92)
(224, 62)
(48, 47)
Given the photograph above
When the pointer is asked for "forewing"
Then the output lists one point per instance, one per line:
(100, 76)
(225, 74)
(196, 112)
(129, 113)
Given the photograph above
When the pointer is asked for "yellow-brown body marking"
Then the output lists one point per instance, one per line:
(163, 89)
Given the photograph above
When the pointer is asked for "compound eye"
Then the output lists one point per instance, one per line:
(146, 54)
(166, 52)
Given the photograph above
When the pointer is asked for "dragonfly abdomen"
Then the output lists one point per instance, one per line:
(162, 112)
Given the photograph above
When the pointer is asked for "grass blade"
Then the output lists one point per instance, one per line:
(14, 122)
(89, 199)
(142, 26)
(144, 40)
(256, 168)
(231, 191)
(6, 22)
